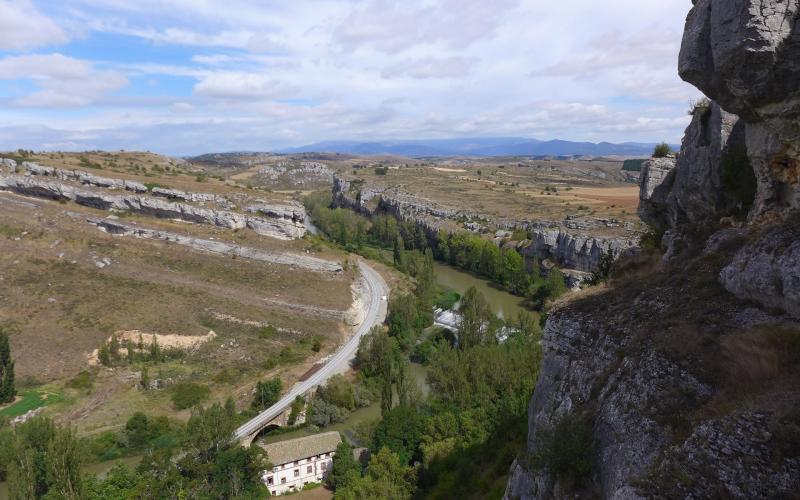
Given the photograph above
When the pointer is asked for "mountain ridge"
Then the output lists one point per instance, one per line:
(482, 146)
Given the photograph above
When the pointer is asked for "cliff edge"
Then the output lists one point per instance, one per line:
(681, 377)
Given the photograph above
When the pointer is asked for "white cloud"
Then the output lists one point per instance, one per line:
(245, 86)
(62, 81)
(235, 72)
(23, 27)
(392, 25)
(431, 67)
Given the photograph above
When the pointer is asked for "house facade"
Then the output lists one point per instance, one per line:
(298, 462)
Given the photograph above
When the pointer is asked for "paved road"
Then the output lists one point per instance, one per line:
(339, 362)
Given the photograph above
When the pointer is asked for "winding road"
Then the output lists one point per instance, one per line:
(338, 363)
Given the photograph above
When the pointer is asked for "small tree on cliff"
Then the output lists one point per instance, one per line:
(7, 390)
(662, 150)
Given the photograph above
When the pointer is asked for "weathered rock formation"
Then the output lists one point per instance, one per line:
(556, 241)
(283, 258)
(660, 369)
(689, 189)
(745, 54)
(279, 221)
(573, 251)
(81, 177)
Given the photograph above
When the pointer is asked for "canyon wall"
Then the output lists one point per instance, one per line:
(567, 246)
(656, 374)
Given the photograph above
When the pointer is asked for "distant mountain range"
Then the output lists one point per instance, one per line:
(495, 146)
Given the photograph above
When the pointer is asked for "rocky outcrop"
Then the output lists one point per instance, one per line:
(283, 258)
(573, 251)
(80, 176)
(661, 369)
(744, 54)
(8, 164)
(564, 243)
(689, 189)
(655, 185)
(282, 228)
(638, 395)
(767, 269)
(585, 371)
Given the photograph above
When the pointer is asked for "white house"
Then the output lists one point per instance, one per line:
(297, 462)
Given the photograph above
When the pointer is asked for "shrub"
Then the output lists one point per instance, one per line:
(661, 150)
(738, 179)
(267, 332)
(566, 450)
(188, 394)
(447, 299)
(267, 394)
(82, 381)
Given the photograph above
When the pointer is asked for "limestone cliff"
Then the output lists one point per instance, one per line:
(681, 377)
(567, 243)
(282, 221)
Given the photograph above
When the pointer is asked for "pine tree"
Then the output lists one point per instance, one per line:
(7, 390)
(155, 350)
(145, 381)
(103, 355)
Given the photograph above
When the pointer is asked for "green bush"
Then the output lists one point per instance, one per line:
(738, 178)
(661, 150)
(188, 394)
(447, 299)
(566, 450)
(82, 381)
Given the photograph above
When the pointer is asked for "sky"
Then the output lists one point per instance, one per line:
(186, 77)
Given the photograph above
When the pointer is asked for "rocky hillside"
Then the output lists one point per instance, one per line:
(278, 220)
(681, 378)
(568, 243)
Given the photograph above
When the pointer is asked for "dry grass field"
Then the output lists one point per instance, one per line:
(66, 286)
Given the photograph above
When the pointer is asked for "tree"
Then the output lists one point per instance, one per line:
(155, 350)
(400, 430)
(338, 391)
(344, 467)
(661, 150)
(46, 462)
(144, 383)
(475, 318)
(397, 254)
(386, 477)
(267, 394)
(7, 389)
(604, 267)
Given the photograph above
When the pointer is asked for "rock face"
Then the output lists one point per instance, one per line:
(574, 251)
(285, 224)
(689, 189)
(655, 185)
(745, 54)
(218, 247)
(555, 241)
(624, 358)
(767, 269)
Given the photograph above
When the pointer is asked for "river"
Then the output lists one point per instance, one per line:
(503, 304)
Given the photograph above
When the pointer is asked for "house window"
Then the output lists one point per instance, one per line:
(324, 466)
(309, 469)
(283, 480)
(273, 493)
(297, 473)
(270, 480)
